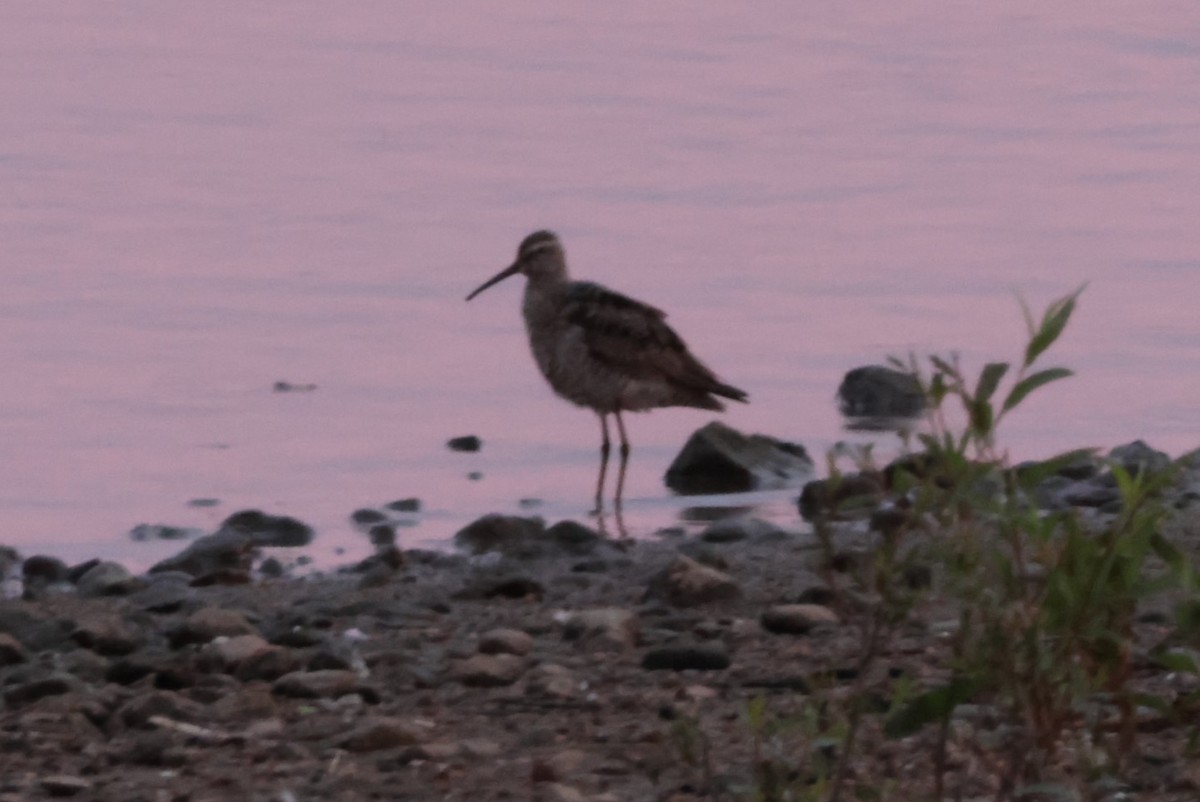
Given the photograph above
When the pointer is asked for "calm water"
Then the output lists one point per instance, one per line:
(202, 199)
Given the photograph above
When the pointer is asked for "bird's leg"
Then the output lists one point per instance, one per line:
(605, 448)
(624, 461)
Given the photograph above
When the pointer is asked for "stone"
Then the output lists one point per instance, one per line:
(718, 458)
(163, 532)
(557, 792)
(507, 534)
(55, 684)
(1137, 456)
(465, 443)
(225, 550)
(381, 732)
(506, 641)
(105, 633)
(404, 505)
(108, 579)
(489, 670)
(211, 622)
(734, 530)
(45, 569)
(875, 391)
(264, 529)
(166, 593)
(230, 652)
(846, 494)
(269, 663)
(11, 651)
(552, 681)
(602, 626)
(686, 583)
(707, 656)
(330, 684)
(572, 537)
(64, 785)
(797, 619)
(33, 630)
(365, 516)
(137, 712)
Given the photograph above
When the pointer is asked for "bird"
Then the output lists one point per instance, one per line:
(603, 350)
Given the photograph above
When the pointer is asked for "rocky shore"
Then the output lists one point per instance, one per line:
(538, 662)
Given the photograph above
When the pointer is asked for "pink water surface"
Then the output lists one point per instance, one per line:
(201, 199)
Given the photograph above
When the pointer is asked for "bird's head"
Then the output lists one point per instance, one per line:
(539, 256)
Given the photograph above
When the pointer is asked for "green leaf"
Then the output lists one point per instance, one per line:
(989, 379)
(1031, 383)
(1053, 322)
(932, 706)
(981, 417)
(1179, 661)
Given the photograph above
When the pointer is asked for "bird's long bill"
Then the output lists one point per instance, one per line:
(512, 269)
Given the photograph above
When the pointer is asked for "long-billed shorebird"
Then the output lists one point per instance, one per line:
(603, 350)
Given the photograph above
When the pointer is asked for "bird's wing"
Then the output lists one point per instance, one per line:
(633, 337)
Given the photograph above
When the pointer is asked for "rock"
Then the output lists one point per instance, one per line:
(44, 569)
(225, 550)
(293, 387)
(875, 391)
(108, 579)
(707, 656)
(322, 685)
(507, 534)
(230, 652)
(166, 593)
(382, 535)
(376, 733)
(561, 764)
(465, 443)
(797, 619)
(572, 537)
(1137, 456)
(163, 532)
(551, 680)
(404, 505)
(489, 670)
(264, 529)
(34, 631)
(1059, 492)
(137, 712)
(733, 530)
(479, 748)
(55, 684)
(719, 459)
(365, 517)
(846, 494)
(685, 583)
(105, 633)
(505, 587)
(211, 622)
(11, 651)
(269, 663)
(64, 785)
(602, 626)
(557, 792)
(506, 641)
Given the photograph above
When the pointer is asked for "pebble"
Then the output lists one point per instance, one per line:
(489, 670)
(465, 443)
(233, 651)
(329, 684)
(707, 656)
(105, 633)
(63, 785)
(686, 583)
(797, 619)
(382, 732)
(11, 650)
(506, 641)
(211, 622)
(551, 680)
(602, 626)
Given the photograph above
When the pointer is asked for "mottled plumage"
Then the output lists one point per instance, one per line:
(603, 350)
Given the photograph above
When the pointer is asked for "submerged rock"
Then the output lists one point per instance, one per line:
(466, 443)
(875, 391)
(720, 459)
(269, 530)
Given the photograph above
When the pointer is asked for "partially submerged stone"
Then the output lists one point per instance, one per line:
(719, 459)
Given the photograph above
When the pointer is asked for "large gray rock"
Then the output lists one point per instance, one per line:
(720, 459)
(875, 391)
(108, 579)
(226, 550)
